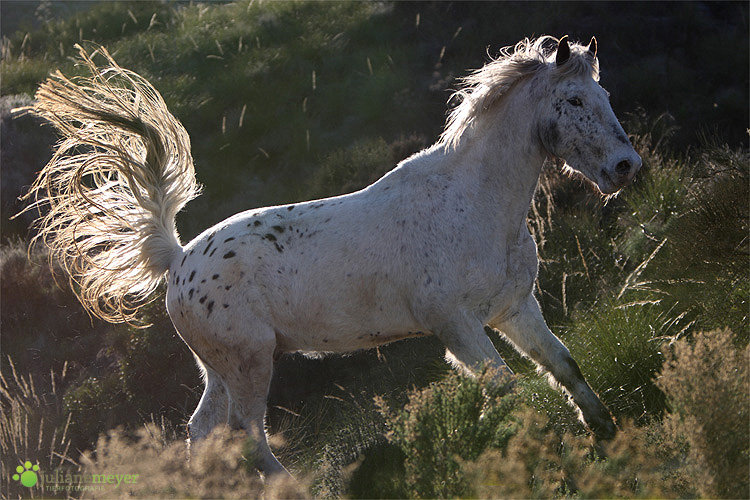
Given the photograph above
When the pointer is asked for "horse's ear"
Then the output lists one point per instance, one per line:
(592, 47)
(563, 51)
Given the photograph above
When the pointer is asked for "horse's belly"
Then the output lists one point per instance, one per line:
(340, 310)
(332, 341)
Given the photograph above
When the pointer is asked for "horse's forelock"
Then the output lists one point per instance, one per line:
(485, 86)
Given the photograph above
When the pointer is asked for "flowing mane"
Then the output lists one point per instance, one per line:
(485, 86)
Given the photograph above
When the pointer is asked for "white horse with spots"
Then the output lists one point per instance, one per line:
(437, 246)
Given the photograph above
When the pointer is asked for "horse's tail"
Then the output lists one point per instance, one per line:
(119, 176)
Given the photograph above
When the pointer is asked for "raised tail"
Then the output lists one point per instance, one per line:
(119, 176)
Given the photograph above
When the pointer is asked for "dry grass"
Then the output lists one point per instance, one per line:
(707, 383)
(32, 425)
(216, 468)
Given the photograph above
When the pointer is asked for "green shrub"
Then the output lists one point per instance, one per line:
(619, 350)
(94, 405)
(439, 446)
(446, 424)
(687, 226)
(42, 320)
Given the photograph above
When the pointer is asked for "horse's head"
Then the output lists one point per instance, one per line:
(577, 124)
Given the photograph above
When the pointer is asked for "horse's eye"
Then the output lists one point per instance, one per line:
(575, 101)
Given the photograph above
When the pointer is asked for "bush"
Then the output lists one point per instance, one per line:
(447, 424)
(216, 467)
(540, 463)
(690, 218)
(454, 439)
(707, 383)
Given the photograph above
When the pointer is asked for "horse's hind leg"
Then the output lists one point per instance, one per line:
(213, 408)
(529, 332)
(247, 370)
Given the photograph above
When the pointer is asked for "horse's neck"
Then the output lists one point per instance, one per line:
(502, 159)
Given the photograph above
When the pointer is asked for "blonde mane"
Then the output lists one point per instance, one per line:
(485, 86)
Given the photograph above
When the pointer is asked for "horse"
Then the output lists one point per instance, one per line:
(437, 246)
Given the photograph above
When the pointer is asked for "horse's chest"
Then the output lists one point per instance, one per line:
(514, 279)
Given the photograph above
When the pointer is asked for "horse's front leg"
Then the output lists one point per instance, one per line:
(527, 329)
(467, 346)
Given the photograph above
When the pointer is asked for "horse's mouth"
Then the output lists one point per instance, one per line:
(609, 184)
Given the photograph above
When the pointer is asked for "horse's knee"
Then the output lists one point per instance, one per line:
(200, 425)
(212, 409)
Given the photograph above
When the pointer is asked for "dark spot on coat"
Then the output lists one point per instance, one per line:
(290, 207)
(207, 247)
(203, 299)
(225, 306)
(270, 237)
(228, 240)
(256, 223)
(210, 307)
(229, 254)
(280, 248)
(183, 261)
(214, 276)
(227, 287)
(278, 229)
(212, 252)
(190, 293)
(550, 136)
(192, 275)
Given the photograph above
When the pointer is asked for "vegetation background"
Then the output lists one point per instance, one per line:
(287, 101)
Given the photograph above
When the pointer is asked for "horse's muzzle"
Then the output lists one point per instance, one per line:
(620, 174)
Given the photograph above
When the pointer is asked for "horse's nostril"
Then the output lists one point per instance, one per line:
(623, 168)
